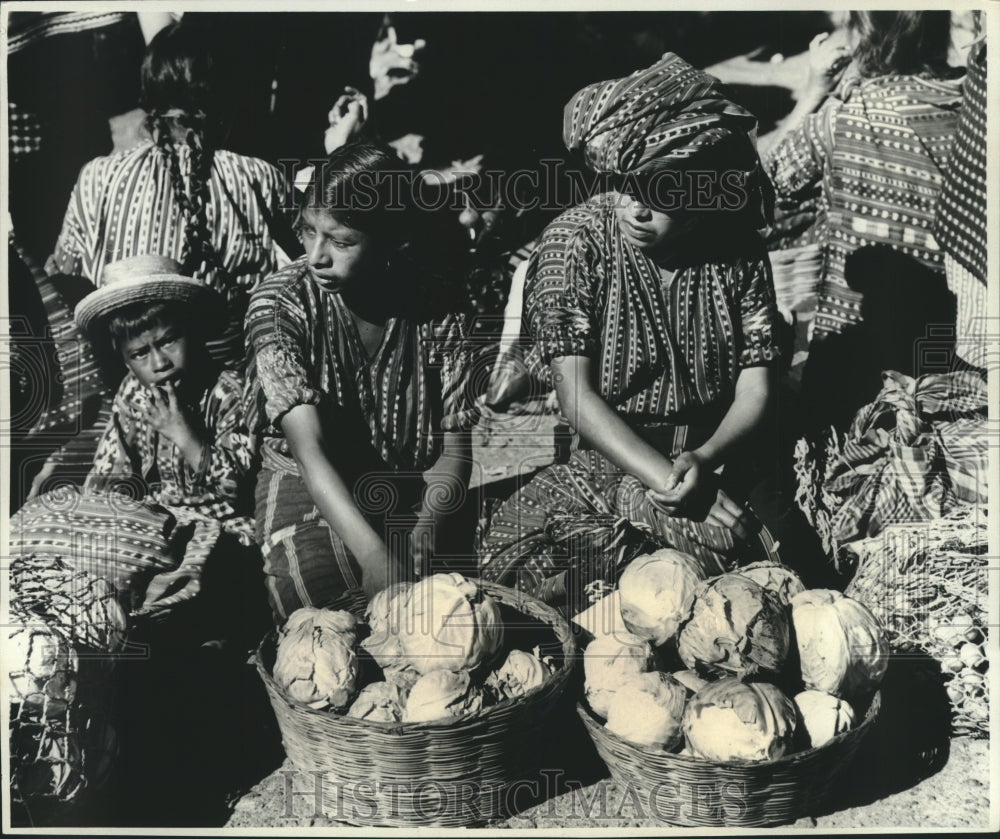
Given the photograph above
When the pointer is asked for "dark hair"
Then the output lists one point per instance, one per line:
(366, 186)
(901, 42)
(136, 318)
(178, 95)
(362, 185)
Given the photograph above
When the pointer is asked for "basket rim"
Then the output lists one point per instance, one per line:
(590, 716)
(550, 687)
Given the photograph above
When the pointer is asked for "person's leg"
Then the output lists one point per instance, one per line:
(560, 537)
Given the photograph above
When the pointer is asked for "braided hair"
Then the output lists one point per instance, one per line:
(177, 95)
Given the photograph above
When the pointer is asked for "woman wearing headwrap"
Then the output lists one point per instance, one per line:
(651, 309)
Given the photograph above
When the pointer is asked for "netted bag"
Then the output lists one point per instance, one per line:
(87, 609)
(62, 632)
(58, 752)
(927, 582)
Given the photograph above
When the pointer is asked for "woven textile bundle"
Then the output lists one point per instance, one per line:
(915, 453)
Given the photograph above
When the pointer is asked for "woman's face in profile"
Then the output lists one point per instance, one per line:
(645, 228)
(338, 256)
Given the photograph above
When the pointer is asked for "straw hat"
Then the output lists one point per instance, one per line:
(147, 278)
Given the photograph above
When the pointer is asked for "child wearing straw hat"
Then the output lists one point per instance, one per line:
(171, 480)
(177, 423)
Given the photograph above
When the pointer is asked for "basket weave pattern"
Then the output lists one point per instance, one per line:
(442, 773)
(692, 792)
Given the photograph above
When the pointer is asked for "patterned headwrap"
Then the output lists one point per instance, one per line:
(670, 116)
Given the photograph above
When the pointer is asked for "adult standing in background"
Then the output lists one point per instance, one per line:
(68, 73)
(179, 194)
(873, 132)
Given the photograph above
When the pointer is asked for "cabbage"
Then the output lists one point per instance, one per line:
(328, 619)
(384, 617)
(842, 646)
(442, 693)
(690, 680)
(775, 577)
(446, 625)
(656, 593)
(730, 720)
(379, 702)
(608, 662)
(823, 716)
(647, 710)
(603, 617)
(402, 675)
(737, 626)
(520, 673)
(315, 662)
(382, 613)
(40, 663)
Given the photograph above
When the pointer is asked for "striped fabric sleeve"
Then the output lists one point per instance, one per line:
(559, 293)
(458, 362)
(760, 316)
(796, 164)
(276, 330)
(77, 242)
(226, 461)
(114, 457)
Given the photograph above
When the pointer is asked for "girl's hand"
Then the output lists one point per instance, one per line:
(728, 514)
(682, 485)
(421, 540)
(829, 55)
(166, 414)
(347, 118)
(172, 587)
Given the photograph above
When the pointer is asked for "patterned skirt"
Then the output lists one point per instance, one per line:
(566, 534)
(972, 338)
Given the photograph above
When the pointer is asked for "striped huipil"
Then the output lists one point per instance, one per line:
(879, 155)
(666, 352)
(961, 216)
(387, 411)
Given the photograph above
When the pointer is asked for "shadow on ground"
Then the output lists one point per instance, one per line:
(195, 732)
(909, 742)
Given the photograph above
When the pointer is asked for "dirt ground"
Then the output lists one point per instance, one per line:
(957, 797)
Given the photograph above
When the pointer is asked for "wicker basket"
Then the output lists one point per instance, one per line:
(443, 773)
(692, 792)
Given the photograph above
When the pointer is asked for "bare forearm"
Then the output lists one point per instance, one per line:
(192, 448)
(444, 485)
(808, 103)
(335, 503)
(750, 408)
(602, 428)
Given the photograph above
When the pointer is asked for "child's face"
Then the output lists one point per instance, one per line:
(158, 355)
(339, 256)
